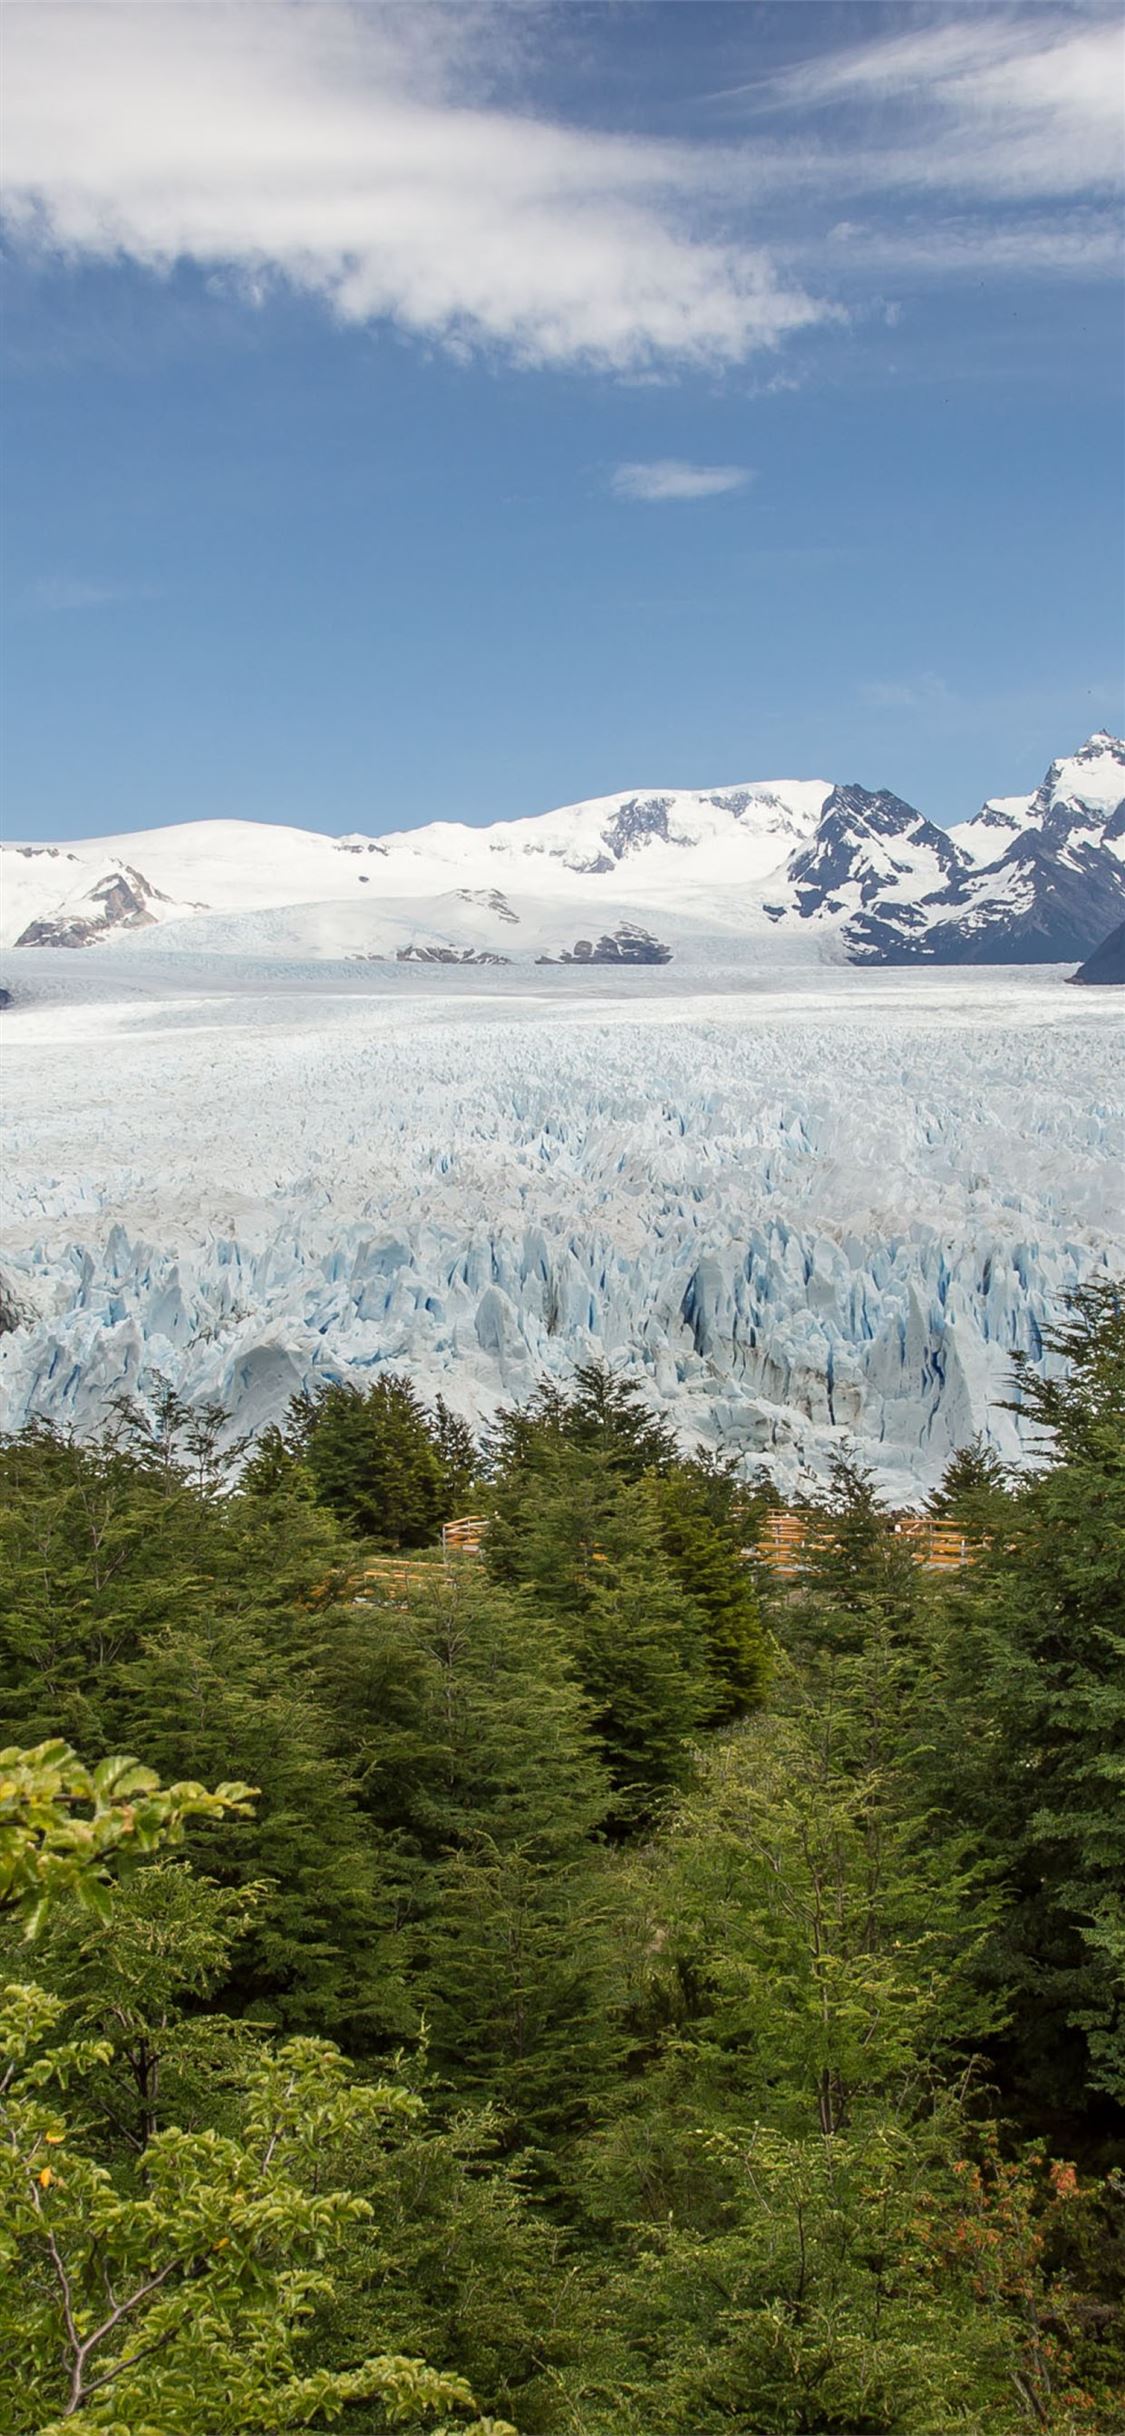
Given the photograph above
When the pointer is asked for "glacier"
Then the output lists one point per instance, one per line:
(809, 1208)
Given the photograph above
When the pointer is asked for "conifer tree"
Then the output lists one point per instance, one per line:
(141, 1613)
(973, 1483)
(459, 1456)
(1036, 1757)
(640, 1644)
(604, 1419)
(374, 1459)
(706, 1519)
(857, 1578)
(275, 1469)
(464, 1723)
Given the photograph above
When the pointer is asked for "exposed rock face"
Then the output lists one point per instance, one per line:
(122, 899)
(447, 955)
(492, 898)
(636, 822)
(628, 944)
(866, 842)
(1107, 964)
(1044, 876)
(1041, 906)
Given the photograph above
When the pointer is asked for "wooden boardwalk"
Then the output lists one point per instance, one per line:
(395, 1577)
(789, 1538)
(786, 1542)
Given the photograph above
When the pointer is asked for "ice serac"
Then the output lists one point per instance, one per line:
(825, 1214)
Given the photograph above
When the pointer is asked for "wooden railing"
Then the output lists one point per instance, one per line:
(396, 1577)
(788, 1539)
(785, 1543)
(393, 1577)
(464, 1536)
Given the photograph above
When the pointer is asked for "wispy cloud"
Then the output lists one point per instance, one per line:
(922, 693)
(1019, 103)
(663, 478)
(354, 153)
(979, 142)
(62, 592)
(1084, 244)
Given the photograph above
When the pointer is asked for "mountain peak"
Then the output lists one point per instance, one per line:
(1101, 742)
(1037, 876)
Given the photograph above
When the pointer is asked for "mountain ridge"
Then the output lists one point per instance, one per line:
(861, 874)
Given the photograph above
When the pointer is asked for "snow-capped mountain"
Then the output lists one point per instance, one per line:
(879, 864)
(643, 877)
(1077, 795)
(1048, 876)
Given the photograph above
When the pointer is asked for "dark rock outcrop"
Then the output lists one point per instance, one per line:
(628, 944)
(122, 900)
(1107, 964)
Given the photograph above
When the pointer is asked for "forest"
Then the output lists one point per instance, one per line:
(596, 1986)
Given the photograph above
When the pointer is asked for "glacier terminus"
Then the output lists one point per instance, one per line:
(810, 1208)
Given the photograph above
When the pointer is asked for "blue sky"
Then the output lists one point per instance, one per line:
(426, 412)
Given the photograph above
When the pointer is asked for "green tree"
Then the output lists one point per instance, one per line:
(557, 1465)
(140, 1613)
(1035, 1758)
(858, 1575)
(792, 2159)
(590, 1514)
(275, 1470)
(376, 1459)
(181, 2299)
(879, 2280)
(706, 1520)
(145, 1995)
(604, 1417)
(61, 1823)
(640, 1645)
(459, 1456)
(826, 1924)
(462, 1720)
(972, 1489)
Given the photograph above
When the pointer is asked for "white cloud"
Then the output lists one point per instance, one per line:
(352, 152)
(1017, 105)
(670, 478)
(376, 158)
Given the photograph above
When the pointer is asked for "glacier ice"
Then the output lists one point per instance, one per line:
(821, 1211)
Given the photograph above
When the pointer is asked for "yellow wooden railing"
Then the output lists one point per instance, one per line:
(464, 1536)
(786, 1541)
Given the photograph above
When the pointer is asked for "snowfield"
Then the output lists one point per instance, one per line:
(810, 1205)
(837, 872)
